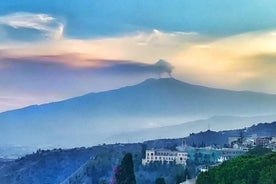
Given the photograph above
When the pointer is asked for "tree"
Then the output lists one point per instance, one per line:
(172, 147)
(181, 174)
(160, 180)
(245, 169)
(259, 151)
(103, 181)
(241, 137)
(125, 173)
(144, 148)
(191, 169)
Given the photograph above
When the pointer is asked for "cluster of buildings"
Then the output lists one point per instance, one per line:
(180, 157)
(238, 147)
(249, 142)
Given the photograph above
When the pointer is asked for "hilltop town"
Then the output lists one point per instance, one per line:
(96, 164)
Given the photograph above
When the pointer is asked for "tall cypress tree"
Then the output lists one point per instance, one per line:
(125, 171)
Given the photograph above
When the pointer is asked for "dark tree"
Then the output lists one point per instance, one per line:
(160, 180)
(144, 148)
(125, 172)
(241, 137)
(180, 174)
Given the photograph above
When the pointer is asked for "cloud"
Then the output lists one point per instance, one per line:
(269, 59)
(196, 58)
(96, 66)
(78, 66)
(85, 19)
(139, 46)
(233, 62)
(50, 78)
(131, 68)
(76, 52)
(44, 23)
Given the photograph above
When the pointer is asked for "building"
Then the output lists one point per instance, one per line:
(228, 153)
(203, 169)
(262, 141)
(191, 181)
(231, 140)
(273, 140)
(165, 156)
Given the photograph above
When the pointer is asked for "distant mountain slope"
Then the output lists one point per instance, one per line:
(215, 137)
(91, 118)
(215, 123)
(221, 137)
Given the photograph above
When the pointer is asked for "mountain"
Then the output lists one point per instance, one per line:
(90, 119)
(219, 138)
(215, 123)
(8, 152)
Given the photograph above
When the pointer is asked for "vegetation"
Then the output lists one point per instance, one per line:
(252, 168)
(160, 180)
(96, 164)
(259, 151)
(125, 172)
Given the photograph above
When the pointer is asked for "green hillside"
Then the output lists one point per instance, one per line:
(246, 169)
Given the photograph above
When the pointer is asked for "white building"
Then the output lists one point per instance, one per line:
(191, 181)
(165, 156)
(273, 140)
(204, 169)
(228, 153)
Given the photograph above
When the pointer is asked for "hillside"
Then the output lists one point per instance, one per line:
(219, 138)
(155, 102)
(215, 123)
(245, 169)
(54, 166)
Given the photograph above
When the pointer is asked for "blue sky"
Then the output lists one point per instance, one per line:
(52, 50)
(87, 18)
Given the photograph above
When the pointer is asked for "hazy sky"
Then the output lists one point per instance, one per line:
(52, 50)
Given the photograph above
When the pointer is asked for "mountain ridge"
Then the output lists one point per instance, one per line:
(146, 82)
(162, 102)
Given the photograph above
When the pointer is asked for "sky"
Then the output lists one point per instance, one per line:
(52, 50)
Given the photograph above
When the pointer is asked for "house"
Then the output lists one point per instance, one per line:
(165, 156)
(228, 153)
(262, 141)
